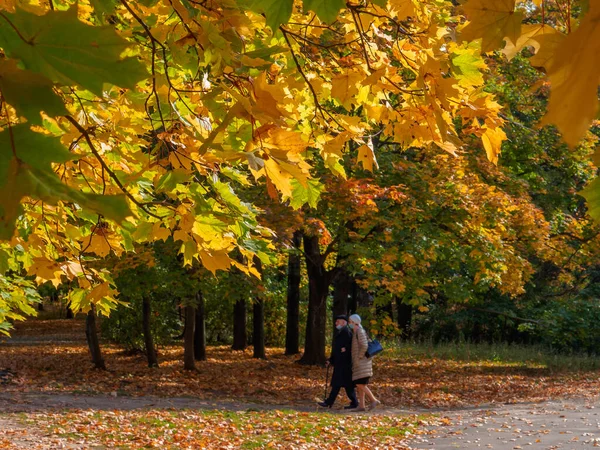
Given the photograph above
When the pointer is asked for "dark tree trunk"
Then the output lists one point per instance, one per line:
(200, 330)
(318, 288)
(404, 317)
(240, 339)
(342, 291)
(69, 313)
(353, 300)
(92, 339)
(386, 310)
(292, 330)
(258, 334)
(188, 338)
(148, 341)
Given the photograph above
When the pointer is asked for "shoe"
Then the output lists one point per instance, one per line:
(374, 405)
(324, 405)
(351, 407)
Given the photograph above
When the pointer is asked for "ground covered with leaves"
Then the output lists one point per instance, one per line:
(51, 357)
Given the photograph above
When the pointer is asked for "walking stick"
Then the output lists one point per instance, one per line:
(326, 381)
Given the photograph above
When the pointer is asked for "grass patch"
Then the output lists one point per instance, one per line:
(525, 356)
(221, 429)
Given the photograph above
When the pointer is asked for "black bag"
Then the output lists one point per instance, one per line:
(373, 348)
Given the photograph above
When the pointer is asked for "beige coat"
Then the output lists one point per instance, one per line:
(362, 366)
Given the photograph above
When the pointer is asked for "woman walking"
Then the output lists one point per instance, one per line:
(362, 367)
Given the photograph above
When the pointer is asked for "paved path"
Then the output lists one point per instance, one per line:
(560, 424)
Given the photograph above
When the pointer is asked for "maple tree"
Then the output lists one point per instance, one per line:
(126, 123)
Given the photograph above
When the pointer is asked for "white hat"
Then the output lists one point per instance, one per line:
(355, 318)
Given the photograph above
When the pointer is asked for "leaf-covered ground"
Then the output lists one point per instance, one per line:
(51, 357)
(222, 429)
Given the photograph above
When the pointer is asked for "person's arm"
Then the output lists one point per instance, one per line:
(363, 343)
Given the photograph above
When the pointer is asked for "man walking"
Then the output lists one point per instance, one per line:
(341, 360)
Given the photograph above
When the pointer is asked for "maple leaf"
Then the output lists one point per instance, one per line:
(492, 22)
(327, 10)
(468, 64)
(574, 76)
(68, 51)
(28, 92)
(492, 140)
(366, 156)
(344, 87)
(543, 38)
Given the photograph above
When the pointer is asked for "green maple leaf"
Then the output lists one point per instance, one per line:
(311, 193)
(28, 92)
(67, 51)
(592, 195)
(26, 170)
(276, 11)
(467, 64)
(326, 10)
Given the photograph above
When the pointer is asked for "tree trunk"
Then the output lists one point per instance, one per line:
(404, 317)
(318, 288)
(200, 330)
(148, 341)
(188, 338)
(92, 339)
(258, 335)
(342, 291)
(240, 339)
(69, 313)
(384, 311)
(292, 329)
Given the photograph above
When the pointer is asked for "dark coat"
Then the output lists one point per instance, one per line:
(342, 360)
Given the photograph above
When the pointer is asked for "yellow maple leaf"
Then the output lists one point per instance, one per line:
(96, 243)
(543, 38)
(215, 260)
(345, 86)
(281, 180)
(45, 270)
(574, 75)
(99, 292)
(402, 9)
(160, 233)
(492, 142)
(492, 22)
(266, 100)
(272, 137)
(366, 156)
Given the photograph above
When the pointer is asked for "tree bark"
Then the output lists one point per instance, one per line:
(91, 335)
(147, 329)
(404, 317)
(258, 334)
(188, 338)
(200, 329)
(292, 329)
(240, 338)
(342, 291)
(69, 313)
(318, 288)
(386, 310)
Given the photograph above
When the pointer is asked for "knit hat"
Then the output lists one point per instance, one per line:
(342, 317)
(355, 318)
